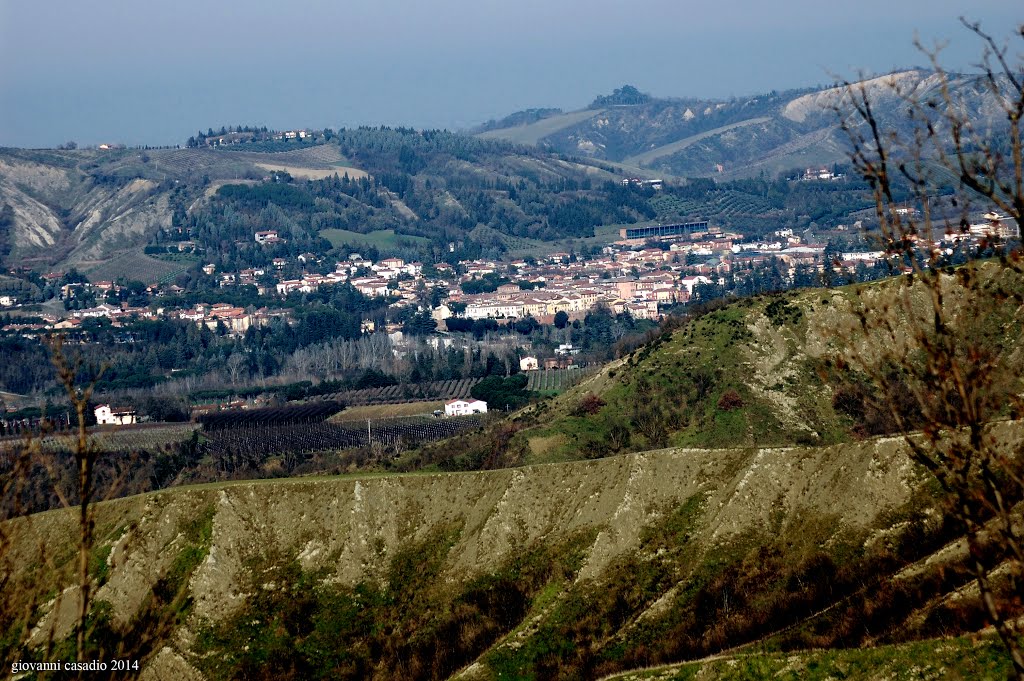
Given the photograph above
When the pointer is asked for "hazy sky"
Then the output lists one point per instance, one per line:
(154, 73)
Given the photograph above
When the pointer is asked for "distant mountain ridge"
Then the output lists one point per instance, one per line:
(738, 137)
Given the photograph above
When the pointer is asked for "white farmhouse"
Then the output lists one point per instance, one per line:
(528, 364)
(117, 416)
(464, 407)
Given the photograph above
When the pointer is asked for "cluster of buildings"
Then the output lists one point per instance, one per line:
(375, 280)
(630, 276)
(235, 320)
(640, 182)
(574, 297)
(114, 416)
(247, 136)
(269, 236)
(564, 357)
(820, 174)
(648, 269)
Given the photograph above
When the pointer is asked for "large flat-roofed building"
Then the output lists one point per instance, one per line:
(663, 230)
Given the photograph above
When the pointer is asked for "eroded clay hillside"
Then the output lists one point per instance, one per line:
(64, 209)
(563, 570)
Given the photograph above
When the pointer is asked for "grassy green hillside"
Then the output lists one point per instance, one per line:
(647, 157)
(137, 266)
(754, 372)
(744, 374)
(384, 239)
(533, 133)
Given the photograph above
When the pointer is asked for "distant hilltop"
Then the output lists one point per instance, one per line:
(627, 95)
(230, 135)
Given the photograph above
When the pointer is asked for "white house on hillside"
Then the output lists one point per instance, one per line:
(117, 416)
(267, 237)
(465, 407)
(528, 364)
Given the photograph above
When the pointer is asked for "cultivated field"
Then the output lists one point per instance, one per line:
(557, 380)
(307, 156)
(383, 239)
(726, 203)
(383, 411)
(535, 132)
(145, 437)
(314, 173)
(231, 446)
(192, 163)
(314, 162)
(410, 392)
(138, 266)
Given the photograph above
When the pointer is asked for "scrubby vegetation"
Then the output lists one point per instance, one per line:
(966, 657)
(407, 625)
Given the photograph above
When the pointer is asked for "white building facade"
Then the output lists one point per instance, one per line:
(528, 364)
(106, 415)
(465, 407)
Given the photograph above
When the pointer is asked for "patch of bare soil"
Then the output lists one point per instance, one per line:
(314, 173)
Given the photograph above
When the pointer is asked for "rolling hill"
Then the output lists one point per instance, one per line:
(86, 208)
(534, 177)
(728, 139)
(93, 209)
(534, 132)
(756, 372)
(566, 570)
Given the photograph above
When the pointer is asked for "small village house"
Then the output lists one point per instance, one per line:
(115, 416)
(465, 407)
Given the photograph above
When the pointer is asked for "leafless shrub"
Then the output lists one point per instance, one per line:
(26, 592)
(588, 405)
(730, 400)
(945, 335)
